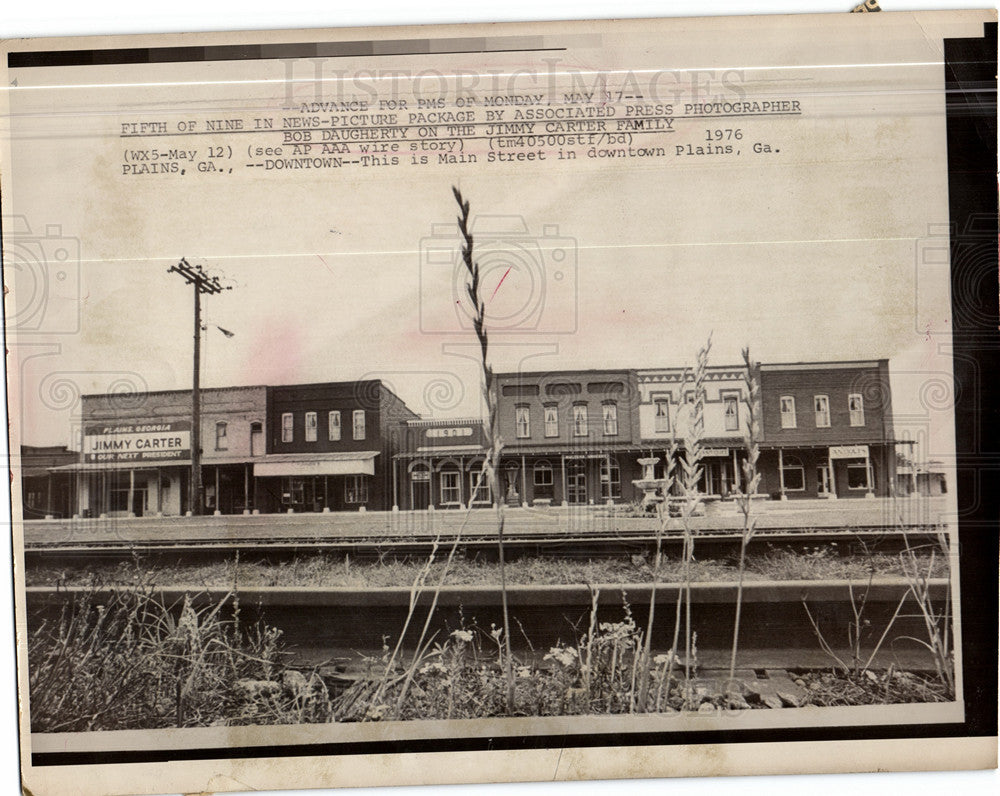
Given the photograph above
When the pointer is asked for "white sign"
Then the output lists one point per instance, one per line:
(848, 451)
(138, 442)
(713, 452)
(438, 433)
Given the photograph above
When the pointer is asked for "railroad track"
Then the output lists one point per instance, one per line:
(568, 543)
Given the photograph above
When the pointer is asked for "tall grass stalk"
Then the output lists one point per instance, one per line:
(744, 499)
(663, 510)
(691, 473)
(492, 461)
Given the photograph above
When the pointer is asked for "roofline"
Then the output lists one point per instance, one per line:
(581, 371)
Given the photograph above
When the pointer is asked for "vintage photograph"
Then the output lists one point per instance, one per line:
(377, 390)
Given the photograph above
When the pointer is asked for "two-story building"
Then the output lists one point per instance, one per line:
(135, 457)
(827, 430)
(330, 447)
(665, 399)
(569, 437)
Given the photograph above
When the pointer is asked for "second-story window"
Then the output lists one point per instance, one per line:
(787, 405)
(221, 436)
(856, 405)
(661, 414)
(821, 404)
(287, 427)
(333, 426)
(551, 421)
(359, 424)
(311, 426)
(522, 421)
(609, 413)
(579, 420)
(731, 412)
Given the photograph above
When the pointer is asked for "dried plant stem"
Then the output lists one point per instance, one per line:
(492, 462)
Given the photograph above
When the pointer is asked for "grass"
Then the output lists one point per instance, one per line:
(820, 563)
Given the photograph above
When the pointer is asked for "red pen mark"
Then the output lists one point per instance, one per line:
(500, 282)
(324, 263)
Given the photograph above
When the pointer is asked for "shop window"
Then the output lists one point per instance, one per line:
(522, 421)
(857, 476)
(356, 489)
(731, 411)
(856, 406)
(611, 480)
(543, 478)
(359, 424)
(821, 405)
(609, 413)
(333, 426)
(661, 415)
(312, 425)
(293, 491)
(451, 487)
(221, 436)
(287, 427)
(787, 403)
(793, 474)
(551, 420)
(579, 420)
(479, 487)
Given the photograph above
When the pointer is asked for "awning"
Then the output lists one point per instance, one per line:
(429, 451)
(340, 463)
(97, 467)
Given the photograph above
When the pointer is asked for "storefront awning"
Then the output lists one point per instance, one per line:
(430, 451)
(97, 467)
(340, 463)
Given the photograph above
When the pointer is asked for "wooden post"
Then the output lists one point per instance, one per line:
(524, 482)
(562, 467)
(131, 491)
(246, 487)
(736, 471)
(781, 472)
(833, 478)
(218, 502)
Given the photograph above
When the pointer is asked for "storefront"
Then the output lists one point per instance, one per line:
(298, 482)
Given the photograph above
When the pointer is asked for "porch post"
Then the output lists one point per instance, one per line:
(524, 483)
(131, 492)
(736, 471)
(461, 481)
(246, 488)
(218, 503)
(562, 477)
(607, 463)
(395, 483)
(868, 476)
(781, 473)
(833, 477)
(159, 492)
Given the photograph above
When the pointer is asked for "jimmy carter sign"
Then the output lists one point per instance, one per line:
(141, 442)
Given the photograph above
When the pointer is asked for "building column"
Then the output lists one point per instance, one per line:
(607, 463)
(833, 476)
(781, 474)
(246, 488)
(461, 482)
(131, 492)
(218, 502)
(395, 485)
(868, 476)
(159, 492)
(562, 475)
(736, 471)
(524, 483)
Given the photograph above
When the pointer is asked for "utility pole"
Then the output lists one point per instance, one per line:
(203, 283)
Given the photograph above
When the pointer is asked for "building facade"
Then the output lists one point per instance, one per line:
(569, 437)
(440, 465)
(826, 430)
(46, 490)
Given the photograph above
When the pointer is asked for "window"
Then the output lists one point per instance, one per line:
(731, 412)
(856, 406)
(522, 420)
(579, 420)
(292, 491)
(311, 426)
(451, 487)
(857, 476)
(661, 415)
(611, 480)
(609, 411)
(787, 404)
(793, 475)
(543, 480)
(551, 421)
(480, 494)
(356, 489)
(287, 427)
(333, 426)
(221, 436)
(359, 424)
(689, 396)
(821, 404)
